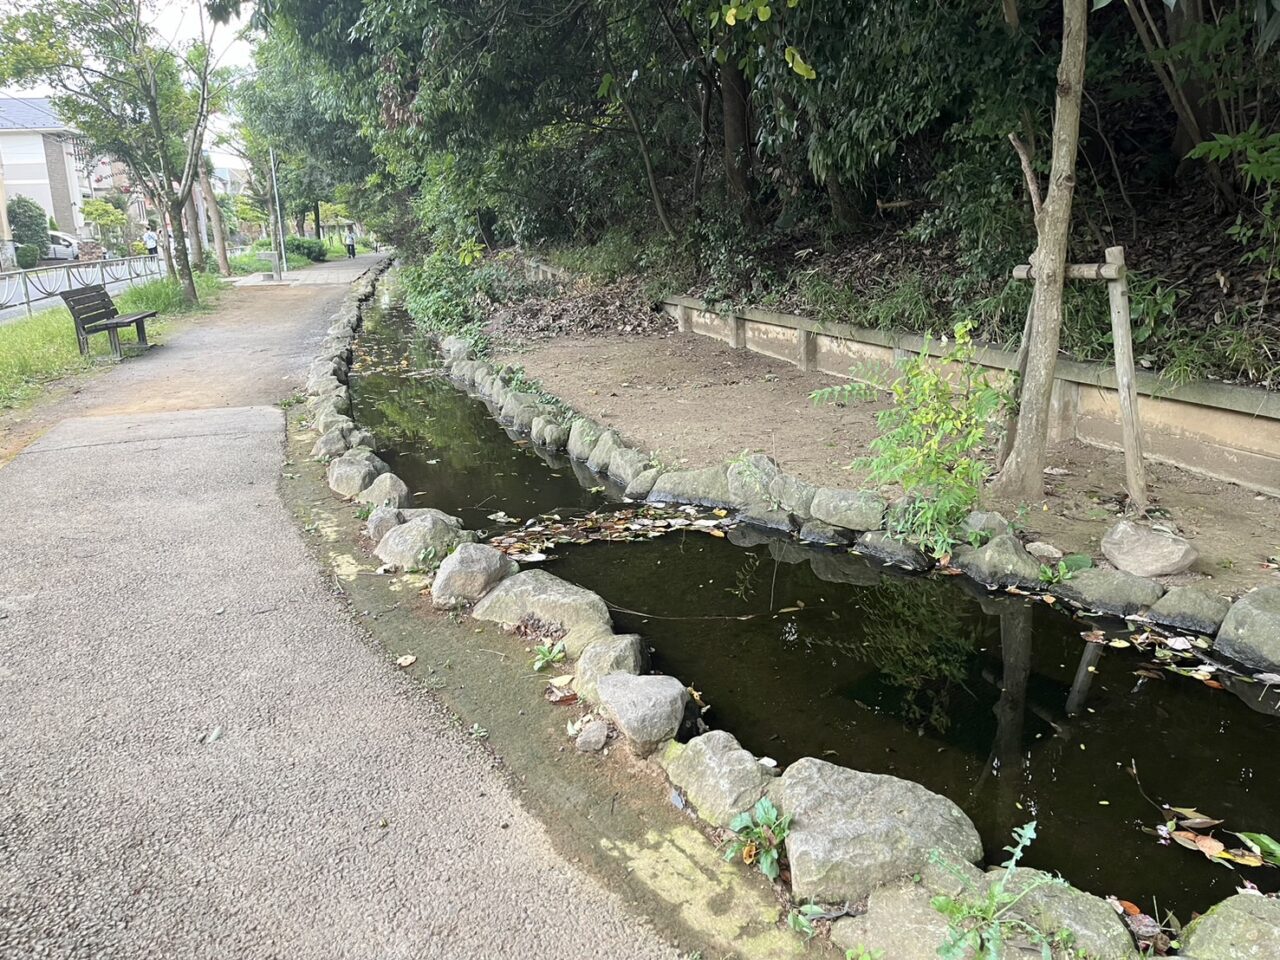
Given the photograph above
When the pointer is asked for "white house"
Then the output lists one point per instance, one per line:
(38, 159)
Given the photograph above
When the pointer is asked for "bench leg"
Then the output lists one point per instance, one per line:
(83, 342)
(114, 335)
(141, 327)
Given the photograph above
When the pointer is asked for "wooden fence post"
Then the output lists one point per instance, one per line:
(1126, 388)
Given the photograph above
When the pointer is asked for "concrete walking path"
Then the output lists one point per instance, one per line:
(201, 756)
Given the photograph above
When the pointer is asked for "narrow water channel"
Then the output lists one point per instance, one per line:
(994, 702)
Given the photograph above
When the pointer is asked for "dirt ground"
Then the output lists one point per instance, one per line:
(694, 401)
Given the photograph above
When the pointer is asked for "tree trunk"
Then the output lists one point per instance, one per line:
(215, 219)
(704, 130)
(192, 228)
(166, 247)
(1202, 117)
(737, 138)
(1023, 474)
(180, 251)
(300, 223)
(846, 213)
(315, 212)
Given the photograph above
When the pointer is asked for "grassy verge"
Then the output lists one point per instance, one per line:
(244, 264)
(41, 348)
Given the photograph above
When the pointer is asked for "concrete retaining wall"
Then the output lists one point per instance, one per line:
(1217, 430)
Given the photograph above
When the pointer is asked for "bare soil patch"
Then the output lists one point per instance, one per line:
(693, 401)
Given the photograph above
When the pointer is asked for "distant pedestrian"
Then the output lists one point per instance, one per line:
(350, 241)
(151, 242)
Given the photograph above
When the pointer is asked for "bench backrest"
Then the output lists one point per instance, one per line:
(89, 305)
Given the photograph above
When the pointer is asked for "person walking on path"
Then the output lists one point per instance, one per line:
(151, 241)
(350, 241)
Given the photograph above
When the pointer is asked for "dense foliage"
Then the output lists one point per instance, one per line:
(852, 160)
(27, 225)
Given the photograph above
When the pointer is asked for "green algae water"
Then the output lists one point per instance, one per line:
(997, 703)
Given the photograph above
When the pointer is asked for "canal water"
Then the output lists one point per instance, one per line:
(993, 701)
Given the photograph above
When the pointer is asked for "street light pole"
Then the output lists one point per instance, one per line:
(275, 186)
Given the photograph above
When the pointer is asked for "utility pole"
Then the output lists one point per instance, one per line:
(8, 260)
(275, 186)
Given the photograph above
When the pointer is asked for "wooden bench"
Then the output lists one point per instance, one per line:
(93, 312)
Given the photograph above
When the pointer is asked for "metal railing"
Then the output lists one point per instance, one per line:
(28, 287)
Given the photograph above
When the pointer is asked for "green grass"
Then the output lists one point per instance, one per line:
(244, 264)
(42, 347)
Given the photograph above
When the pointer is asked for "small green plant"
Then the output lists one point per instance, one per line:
(469, 251)
(545, 654)
(760, 833)
(1065, 568)
(426, 559)
(931, 440)
(982, 921)
(801, 919)
(478, 732)
(363, 511)
(862, 953)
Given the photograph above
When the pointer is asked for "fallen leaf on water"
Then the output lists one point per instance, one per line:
(408, 660)
(1198, 823)
(561, 681)
(1049, 598)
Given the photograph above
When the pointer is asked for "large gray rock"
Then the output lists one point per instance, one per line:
(537, 593)
(626, 464)
(1097, 930)
(329, 418)
(836, 566)
(381, 520)
(469, 573)
(555, 436)
(852, 831)
(815, 531)
(387, 490)
(1251, 630)
(1110, 591)
(1190, 608)
(987, 522)
(524, 405)
(332, 443)
(423, 542)
(793, 495)
(1001, 562)
(648, 709)
(642, 483)
(353, 472)
(708, 486)
(584, 434)
(851, 509)
(718, 776)
(1145, 552)
(1242, 927)
(455, 348)
(750, 477)
(608, 444)
(899, 922)
(889, 549)
(621, 653)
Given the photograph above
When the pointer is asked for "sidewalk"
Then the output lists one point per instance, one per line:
(200, 753)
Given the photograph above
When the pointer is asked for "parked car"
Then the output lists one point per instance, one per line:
(63, 246)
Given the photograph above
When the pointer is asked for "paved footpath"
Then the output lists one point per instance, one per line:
(200, 754)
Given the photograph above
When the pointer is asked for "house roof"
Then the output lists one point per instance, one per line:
(28, 113)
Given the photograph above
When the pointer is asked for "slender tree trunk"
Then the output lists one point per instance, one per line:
(166, 235)
(315, 212)
(180, 251)
(1023, 472)
(704, 131)
(192, 227)
(215, 220)
(846, 213)
(737, 138)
